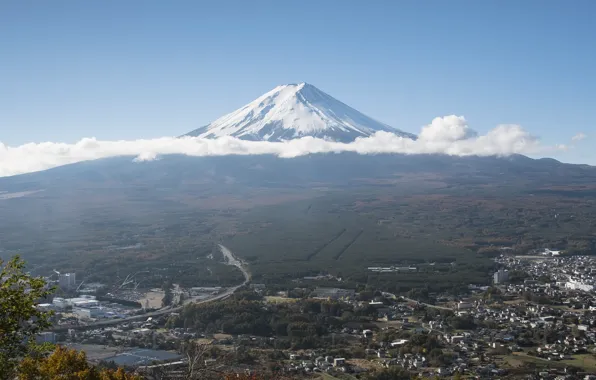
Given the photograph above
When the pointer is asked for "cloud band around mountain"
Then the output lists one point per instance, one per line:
(449, 135)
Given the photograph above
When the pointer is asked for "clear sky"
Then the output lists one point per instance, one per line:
(128, 69)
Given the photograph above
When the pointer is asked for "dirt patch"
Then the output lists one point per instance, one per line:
(222, 336)
(152, 299)
(277, 299)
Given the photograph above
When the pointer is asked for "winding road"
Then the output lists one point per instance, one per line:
(232, 260)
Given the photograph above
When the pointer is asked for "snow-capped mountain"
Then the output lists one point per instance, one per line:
(294, 111)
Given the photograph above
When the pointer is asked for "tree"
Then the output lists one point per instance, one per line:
(20, 320)
(168, 296)
(390, 374)
(67, 364)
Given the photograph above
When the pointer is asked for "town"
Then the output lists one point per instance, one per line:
(537, 318)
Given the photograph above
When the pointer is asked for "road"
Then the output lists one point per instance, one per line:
(237, 263)
(427, 304)
(232, 260)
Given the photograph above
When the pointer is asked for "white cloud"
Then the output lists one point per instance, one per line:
(146, 156)
(448, 135)
(579, 137)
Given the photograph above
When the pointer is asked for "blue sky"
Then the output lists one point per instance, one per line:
(143, 69)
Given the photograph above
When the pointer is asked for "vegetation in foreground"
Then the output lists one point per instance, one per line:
(21, 321)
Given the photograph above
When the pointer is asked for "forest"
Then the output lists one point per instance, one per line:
(289, 219)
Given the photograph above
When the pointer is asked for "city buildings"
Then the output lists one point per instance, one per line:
(576, 285)
(501, 276)
(84, 313)
(45, 337)
(67, 280)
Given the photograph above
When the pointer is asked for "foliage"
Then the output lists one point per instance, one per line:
(67, 364)
(20, 320)
(290, 220)
(462, 322)
(395, 373)
(537, 298)
(168, 295)
(302, 324)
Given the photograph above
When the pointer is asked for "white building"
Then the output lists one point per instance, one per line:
(67, 280)
(59, 303)
(576, 285)
(86, 304)
(549, 252)
(88, 313)
(82, 301)
(501, 276)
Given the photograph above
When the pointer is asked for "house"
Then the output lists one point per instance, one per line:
(338, 362)
(444, 371)
(333, 293)
(398, 343)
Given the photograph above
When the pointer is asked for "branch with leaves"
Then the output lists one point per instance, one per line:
(20, 319)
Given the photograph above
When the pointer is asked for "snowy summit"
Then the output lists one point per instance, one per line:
(293, 111)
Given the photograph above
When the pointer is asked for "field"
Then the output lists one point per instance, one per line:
(276, 299)
(586, 362)
(322, 235)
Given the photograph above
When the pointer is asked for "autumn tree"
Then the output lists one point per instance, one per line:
(20, 320)
(67, 364)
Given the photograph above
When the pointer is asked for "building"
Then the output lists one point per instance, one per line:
(338, 362)
(59, 303)
(576, 285)
(464, 305)
(83, 301)
(88, 313)
(141, 357)
(45, 337)
(67, 280)
(334, 293)
(86, 304)
(501, 276)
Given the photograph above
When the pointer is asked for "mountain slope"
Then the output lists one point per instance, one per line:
(294, 111)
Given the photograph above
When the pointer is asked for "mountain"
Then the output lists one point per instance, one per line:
(294, 111)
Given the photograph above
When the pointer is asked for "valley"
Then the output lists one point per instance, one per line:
(336, 214)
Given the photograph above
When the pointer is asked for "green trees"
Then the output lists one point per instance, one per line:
(20, 320)
(390, 374)
(168, 295)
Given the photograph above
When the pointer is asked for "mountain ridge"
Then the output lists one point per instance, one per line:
(293, 111)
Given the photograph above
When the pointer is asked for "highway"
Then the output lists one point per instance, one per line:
(232, 260)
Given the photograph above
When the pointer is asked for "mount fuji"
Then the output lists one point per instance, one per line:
(293, 111)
